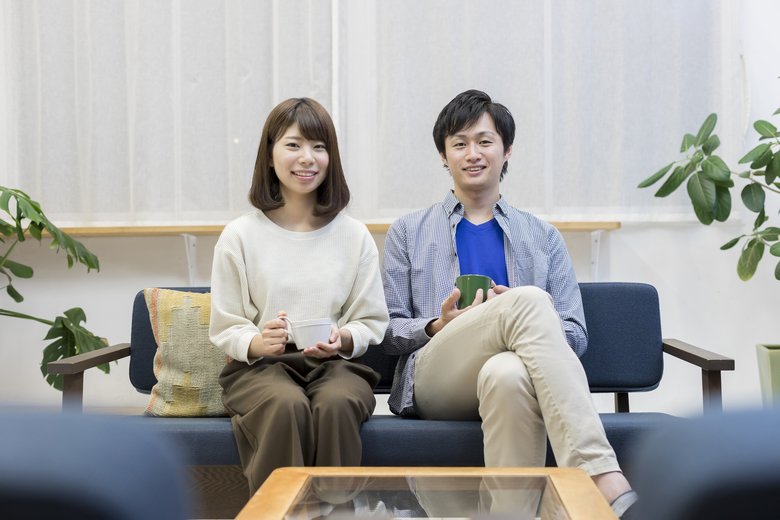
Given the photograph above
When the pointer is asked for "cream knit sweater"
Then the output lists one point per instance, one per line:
(260, 269)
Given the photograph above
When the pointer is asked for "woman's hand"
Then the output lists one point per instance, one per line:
(338, 339)
(272, 340)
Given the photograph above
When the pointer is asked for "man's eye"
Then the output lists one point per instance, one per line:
(485, 142)
(458, 145)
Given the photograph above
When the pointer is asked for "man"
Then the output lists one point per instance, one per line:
(511, 361)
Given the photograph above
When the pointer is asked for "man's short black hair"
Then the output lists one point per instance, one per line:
(464, 110)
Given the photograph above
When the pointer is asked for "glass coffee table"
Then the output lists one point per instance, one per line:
(413, 492)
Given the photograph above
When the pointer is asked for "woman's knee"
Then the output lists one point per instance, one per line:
(286, 404)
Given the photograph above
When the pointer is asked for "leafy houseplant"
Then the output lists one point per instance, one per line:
(710, 182)
(21, 218)
(709, 187)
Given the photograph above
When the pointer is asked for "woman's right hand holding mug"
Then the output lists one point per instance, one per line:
(272, 340)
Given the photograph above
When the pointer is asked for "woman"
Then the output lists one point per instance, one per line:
(298, 257)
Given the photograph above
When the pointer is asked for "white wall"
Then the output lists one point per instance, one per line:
(702, 300)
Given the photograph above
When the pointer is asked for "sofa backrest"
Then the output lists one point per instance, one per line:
(624, 340)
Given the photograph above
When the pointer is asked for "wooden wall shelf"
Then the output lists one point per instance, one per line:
(156, 231)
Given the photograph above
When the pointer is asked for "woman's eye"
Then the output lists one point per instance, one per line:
(292, 145)
(320, 147)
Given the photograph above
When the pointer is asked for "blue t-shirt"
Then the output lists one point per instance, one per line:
(481, 250)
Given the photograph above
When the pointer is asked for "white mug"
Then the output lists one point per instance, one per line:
(307, 333)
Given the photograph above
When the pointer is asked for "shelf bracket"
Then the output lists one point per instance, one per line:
(191, 250)
(595, 249)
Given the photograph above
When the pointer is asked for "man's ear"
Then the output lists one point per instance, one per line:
(443, 159)
(508, 153)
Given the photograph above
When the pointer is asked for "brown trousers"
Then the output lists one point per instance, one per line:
(293, 410)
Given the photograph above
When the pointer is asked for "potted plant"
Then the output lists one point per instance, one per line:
(22, 218)
(709, 182)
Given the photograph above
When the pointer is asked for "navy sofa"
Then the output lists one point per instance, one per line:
(625, 354)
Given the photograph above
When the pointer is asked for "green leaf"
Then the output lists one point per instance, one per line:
(753, 197)
(777, 271)
(775, 249)
(673, 182)
(711, 144)
(770, 234)
(20, 270)
(7, 229)
(706, 129)
(748, 260)
(688, 141)
(722, 203)
(763, 160)
(70, 338)
(714, 168)
(755, 153)
(13, 293)
(772, 170)
(701, 190)
(765, 128)
(654, 177)
(5, 198)
(35, 231)
(731, 243)
(760, 219)
(28, 210)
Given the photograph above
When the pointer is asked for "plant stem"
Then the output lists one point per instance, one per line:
(12, 314)
(8, 253)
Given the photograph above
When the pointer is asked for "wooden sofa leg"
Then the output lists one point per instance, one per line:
(73, 392)
(712, 392)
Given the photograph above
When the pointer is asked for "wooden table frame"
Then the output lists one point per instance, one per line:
(573, 488)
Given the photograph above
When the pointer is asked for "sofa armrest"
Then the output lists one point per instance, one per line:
(72, 370)
(711, 365)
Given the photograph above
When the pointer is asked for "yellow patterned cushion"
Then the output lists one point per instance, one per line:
(186, 364)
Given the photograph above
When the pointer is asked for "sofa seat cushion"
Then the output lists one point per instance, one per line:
(389, 440)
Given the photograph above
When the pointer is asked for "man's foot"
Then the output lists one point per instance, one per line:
(622, 505)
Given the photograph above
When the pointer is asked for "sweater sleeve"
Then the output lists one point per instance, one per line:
(364, 313)
(231, 327)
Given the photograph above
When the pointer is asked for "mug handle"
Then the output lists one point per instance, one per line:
(288, 329)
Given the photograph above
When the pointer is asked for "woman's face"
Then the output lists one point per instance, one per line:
(300, 164)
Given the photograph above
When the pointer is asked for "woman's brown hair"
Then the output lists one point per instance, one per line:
(315, 124)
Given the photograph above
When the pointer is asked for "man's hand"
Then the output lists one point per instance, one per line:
(450, 311)
(271, 341)
(496, 290)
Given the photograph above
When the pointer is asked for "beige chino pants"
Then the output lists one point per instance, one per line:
(507, 362)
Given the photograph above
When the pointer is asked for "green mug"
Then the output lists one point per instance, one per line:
(468, 285)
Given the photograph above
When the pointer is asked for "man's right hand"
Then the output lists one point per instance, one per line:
(450, 311)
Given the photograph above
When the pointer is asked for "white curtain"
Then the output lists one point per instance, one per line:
(150, 111)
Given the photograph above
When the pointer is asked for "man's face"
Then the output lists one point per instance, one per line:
(475, 156)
